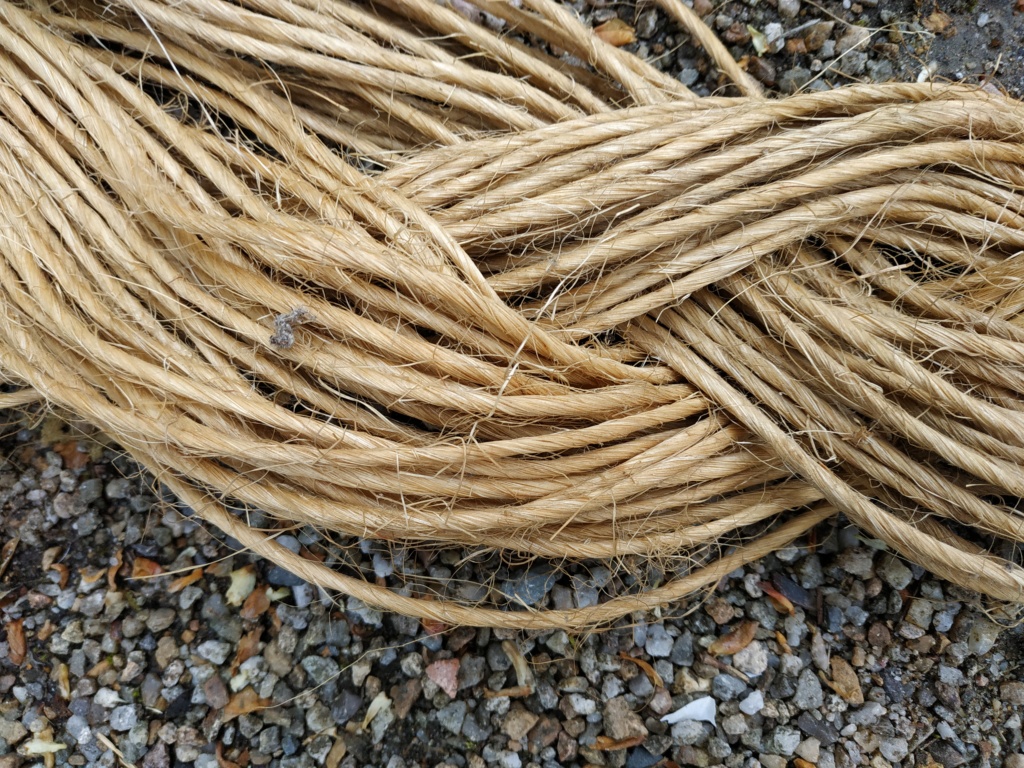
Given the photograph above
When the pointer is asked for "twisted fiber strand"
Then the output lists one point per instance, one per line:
(636, 332)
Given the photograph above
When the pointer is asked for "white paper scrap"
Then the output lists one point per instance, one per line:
(702, 709)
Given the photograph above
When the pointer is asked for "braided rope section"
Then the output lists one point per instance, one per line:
(305, 258)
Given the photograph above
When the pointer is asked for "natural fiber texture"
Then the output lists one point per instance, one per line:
(300, 257)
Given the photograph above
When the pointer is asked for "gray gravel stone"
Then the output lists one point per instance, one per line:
(320, 670)
(726, 687)
(214, 651)
(809, 694)
(784, 740)
(529, 588)
(318, 718)
(124, 718)
(894, 749)
(689, 732)
(789, 9)
(450, 716)
(982, 637)
(659, 642)
(78, 728)
(867, 714)
(161, 619)
(858, 562)
(752, 660)
(682, 650)
(753, 703)
(735, 725)
(363, 613)
(894, 572)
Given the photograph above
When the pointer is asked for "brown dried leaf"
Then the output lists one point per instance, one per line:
(796, 46)
(248, 647)
(242, 703)
(91, 577)
(46, 631)
(336, 754)
(255, 605)
(781, 640)
(735, 641)
(651, 672)
(937, 22)
(845, 681)
(64, 572)
(74, 457)
(183, 581)
(616, 32)
(7, 554)
(433, 626)
(144, 568)
(607, 743)
(222, 761)
(16, 641)
(445, 673)
(780, 601)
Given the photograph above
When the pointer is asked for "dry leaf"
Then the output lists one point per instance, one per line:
(222, 761)
(378, 705)
(616, 32)
(49, 557)
(781, 640)
(16, 641)
(937, 22)
(759, 39)
(64, 681)
(144, 568)
(796, 46)
(735, 641)
(7, 554)
(74, 457)
(446, 674)
(845, 681)
(799, 762)
(433, 626)
(181, 582)
(243, 703)
(41, 746)
(63, 572)
(91, 577)
(45, 631)
(524, 675)
(248, 647)
(650, 671)
(515, 692)
(243, 582)
(780, 601)
(336, 754)
(607, 743)
(256, 604)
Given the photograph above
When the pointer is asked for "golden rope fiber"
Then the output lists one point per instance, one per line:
(391, 275)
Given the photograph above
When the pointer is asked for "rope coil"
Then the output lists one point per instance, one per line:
(364, 283)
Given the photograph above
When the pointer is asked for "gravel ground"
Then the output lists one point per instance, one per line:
(130, 635)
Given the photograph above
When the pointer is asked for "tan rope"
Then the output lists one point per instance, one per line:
(393, 276)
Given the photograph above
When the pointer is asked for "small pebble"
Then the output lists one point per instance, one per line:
(753, 703)
(124, 718)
